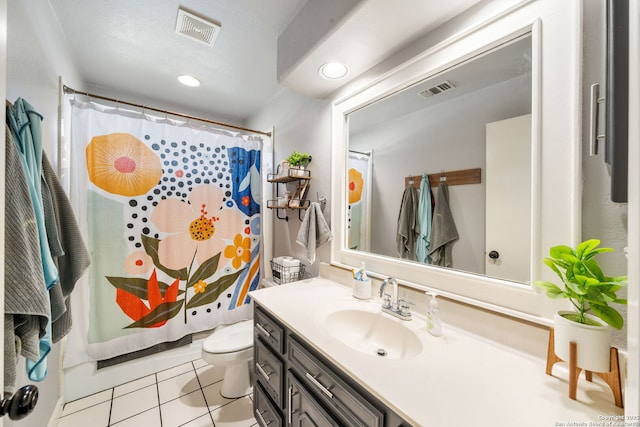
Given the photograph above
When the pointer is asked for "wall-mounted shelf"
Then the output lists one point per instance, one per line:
(297, 202)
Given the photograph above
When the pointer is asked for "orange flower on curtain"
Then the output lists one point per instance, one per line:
(119, 163)
(163, 306)
(198, 228)
(239, 252)
(356, 184)
(138, 262)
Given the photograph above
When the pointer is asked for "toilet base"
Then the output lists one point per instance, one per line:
(236, 381)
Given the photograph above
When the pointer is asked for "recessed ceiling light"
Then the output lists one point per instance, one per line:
(333, 70)
(188, 80)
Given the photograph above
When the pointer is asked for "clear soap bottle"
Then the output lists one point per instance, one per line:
(434, 322)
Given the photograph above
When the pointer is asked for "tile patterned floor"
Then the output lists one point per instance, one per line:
(187, 395)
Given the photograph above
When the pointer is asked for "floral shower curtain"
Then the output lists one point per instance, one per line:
(172, 215)
(359, 191)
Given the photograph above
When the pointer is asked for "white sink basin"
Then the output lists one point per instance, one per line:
(373, 333)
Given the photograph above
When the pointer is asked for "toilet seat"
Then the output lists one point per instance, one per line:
(230, 339)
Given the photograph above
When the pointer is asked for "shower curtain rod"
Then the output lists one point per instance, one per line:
(359, 152)
(69, 90)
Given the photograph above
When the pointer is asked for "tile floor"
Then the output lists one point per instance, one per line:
(187, 395)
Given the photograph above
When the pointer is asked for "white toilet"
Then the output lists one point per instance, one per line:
(231, 346)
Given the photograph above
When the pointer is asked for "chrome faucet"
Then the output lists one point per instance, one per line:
(391, 304)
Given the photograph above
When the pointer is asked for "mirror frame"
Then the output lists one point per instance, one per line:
(555, 223)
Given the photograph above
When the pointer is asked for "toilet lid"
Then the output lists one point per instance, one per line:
(238, 336)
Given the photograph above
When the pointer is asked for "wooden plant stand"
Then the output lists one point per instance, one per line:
(612, 378)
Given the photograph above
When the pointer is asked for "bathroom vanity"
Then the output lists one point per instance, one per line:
(323, 356)
(294, 384)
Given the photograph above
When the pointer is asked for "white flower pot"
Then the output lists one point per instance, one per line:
(593, 342)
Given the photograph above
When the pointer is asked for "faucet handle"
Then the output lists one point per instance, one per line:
(403, 305)
(386, 301)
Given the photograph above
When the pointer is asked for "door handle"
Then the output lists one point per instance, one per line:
(21, 404)
(594, 136)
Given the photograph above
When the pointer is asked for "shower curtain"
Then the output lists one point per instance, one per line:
(359, 191)
(172, 216)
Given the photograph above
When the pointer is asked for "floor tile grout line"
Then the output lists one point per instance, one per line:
(85, 408)
(111, 406)
(158, 397)
(204, 396)
(135, 415)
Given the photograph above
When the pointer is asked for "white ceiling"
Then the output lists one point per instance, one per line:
(371, 32)
(130, 47)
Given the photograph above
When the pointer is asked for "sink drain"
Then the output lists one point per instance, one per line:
(381, 352)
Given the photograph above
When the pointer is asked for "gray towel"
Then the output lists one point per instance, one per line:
(314, 231)
(408, 225)
(443, 229)
(73, 260)
(26, 302)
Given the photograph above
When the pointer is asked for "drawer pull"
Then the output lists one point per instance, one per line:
(262, 330)
(289, 406)
(320, 386)
(261, 419)
(262, 371)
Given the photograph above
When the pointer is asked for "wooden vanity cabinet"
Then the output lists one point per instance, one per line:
(296, 386)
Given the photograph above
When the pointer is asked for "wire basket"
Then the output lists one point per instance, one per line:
(282, 274)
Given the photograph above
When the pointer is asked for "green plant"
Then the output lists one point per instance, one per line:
(298, 159)
(583, 282)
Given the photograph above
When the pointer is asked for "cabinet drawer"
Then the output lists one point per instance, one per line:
(303, 410)
(268, 371)
(266, 414)
(352, 408)
(269, 330)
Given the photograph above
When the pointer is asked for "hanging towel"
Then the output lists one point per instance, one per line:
(314, 231)
(26, 128)
(408, 227)
(73, 259)
(424, 220)
(26, 303)
(443, 229)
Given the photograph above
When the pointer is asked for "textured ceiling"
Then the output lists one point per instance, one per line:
(130, 47)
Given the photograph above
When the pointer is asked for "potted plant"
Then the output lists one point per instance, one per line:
(591, 293)
(299, 161)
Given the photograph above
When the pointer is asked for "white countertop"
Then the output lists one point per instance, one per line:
(457, 380)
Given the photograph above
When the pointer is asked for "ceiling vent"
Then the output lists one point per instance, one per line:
(196, 28)
(437, 89)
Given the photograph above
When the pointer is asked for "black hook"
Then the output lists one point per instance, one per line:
(21, 403)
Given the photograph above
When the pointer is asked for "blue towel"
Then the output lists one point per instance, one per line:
(424, 221)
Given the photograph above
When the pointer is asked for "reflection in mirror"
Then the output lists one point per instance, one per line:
(472, 115)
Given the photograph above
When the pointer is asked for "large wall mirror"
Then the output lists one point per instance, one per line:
(467, 128)
(471, 113)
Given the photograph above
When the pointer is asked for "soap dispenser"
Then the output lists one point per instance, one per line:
(434, 322)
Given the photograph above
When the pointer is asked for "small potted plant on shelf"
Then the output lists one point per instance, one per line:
(590, 292)
(299, 161)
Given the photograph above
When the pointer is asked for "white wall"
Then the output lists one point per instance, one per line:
(632, 394)
(36, 56)
(303, 124)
